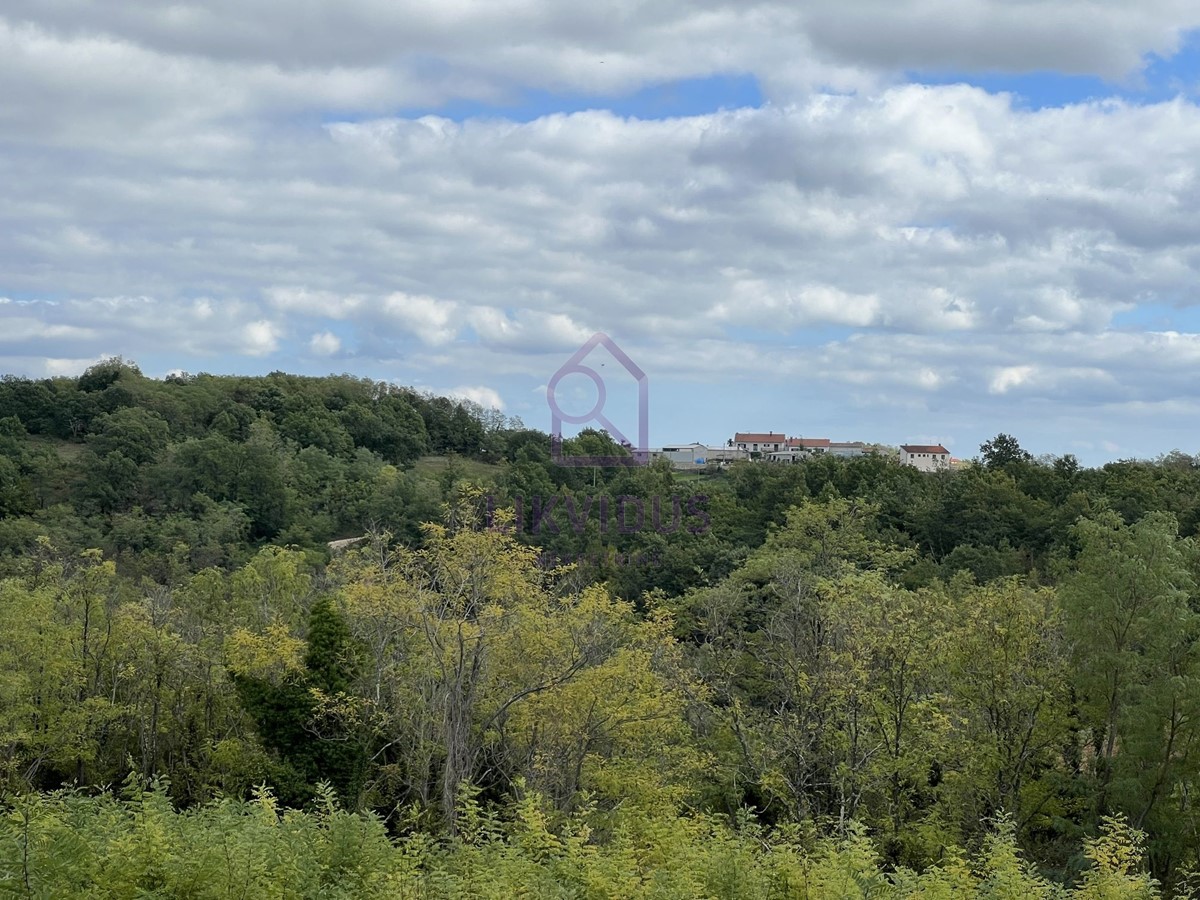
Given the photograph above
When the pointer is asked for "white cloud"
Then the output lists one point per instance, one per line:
(376, 51)
(223, 181)
(131, 326)
(260, 338)
(324, 343)
(434, 321)
(54, 368)
(324, 304)
(486, 397)
(526, 329)
(1010, 377)
(754, 301)
(832, 212)
(929, 379)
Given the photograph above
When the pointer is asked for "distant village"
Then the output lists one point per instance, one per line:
(770, 447)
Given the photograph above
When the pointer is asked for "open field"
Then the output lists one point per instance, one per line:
(471, 468)
(68, 451)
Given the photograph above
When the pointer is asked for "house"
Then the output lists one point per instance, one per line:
(683, 456)
(926, 457)
(723, 455)
(808, 445)
(846, 448)
(757, 442)
(786, 456)
(797, 449)
(773, 447)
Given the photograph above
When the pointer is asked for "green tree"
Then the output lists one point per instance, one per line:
(1133, 631)
(1008, 674)
(480, 669)
(1002, 451)
(134, 433)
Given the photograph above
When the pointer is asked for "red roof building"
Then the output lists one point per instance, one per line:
(809, 443)
(758, 442)
(926, 457)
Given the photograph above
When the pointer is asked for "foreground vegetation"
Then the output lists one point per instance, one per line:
(854, 679)
(67, 845)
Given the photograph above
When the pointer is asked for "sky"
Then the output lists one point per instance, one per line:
(924, 221)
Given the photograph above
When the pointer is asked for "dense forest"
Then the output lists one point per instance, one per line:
(283, 636)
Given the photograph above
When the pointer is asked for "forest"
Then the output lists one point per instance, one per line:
(283, 636)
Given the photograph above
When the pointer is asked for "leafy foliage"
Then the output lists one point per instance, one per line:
(67, 844)
(838, 678)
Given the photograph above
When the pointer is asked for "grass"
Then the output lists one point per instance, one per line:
(470, 468)
(68, 451)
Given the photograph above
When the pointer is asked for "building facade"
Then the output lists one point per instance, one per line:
(686, 456)
(758, 442)
(846, 448)
(774, 447)
(926, 457)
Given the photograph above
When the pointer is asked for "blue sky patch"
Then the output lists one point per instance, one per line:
(1161, 79)
(1158, 317)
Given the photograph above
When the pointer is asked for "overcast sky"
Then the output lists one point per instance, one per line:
(929, 220)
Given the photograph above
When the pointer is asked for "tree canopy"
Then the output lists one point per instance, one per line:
(334, 637)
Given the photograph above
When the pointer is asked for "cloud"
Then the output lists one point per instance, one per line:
(96, 327)
(54, 368)
(433, 321)
(754, 301)
(368, 49)
(856, 212)
(217, 184)
(536, 234)
(527, 329)
(486, 397)
(1009, 377)
(1109, 39)
(260, 338)
(324, 343)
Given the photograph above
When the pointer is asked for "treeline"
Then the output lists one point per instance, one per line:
(835, 657)
(177, 475)
(170, 477)
(336, 414)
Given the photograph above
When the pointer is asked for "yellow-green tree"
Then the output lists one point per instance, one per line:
(478, 667)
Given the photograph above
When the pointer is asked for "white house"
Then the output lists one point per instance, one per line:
(723, 455)
(926, 457)
(697, 454)
(797, 449)
(778, 448)
(808, 445)
(758, 442)
(846, 448)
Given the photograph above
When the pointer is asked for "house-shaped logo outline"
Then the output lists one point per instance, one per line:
(640, 454)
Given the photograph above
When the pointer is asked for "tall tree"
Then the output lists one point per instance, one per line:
(1002, 450)
(1136, 666)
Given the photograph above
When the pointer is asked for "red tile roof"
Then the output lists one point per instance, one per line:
(808, 443)
(924, 448)
(759, 438)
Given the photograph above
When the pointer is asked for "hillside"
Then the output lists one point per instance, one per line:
(764, 674)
